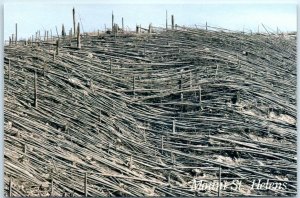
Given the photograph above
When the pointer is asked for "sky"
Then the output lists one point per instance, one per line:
(32, 17)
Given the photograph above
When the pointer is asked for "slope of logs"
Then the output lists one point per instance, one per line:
(145, 114)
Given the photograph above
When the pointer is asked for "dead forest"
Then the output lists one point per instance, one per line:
(145, 112)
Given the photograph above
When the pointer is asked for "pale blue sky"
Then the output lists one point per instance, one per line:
(33, 16)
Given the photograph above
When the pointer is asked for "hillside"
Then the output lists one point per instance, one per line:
(145, 114)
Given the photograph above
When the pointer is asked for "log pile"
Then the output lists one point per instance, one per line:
(145, 114)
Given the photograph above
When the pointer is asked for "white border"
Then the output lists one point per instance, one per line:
(134, 2)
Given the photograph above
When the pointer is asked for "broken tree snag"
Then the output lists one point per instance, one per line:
(110, 66)
(133, 85)
(56, 32)
(91, 85)
(116, 29)
(10, 187)
(200, 97)
(78, 37)
(172, 21)
(8, 72)
(162, 144)
(166, 19)
(57, 46)
(45, 35)
(173, 158)
(179, 83)
(74, 22)
(191, 80)
(52, 186)
(16, 33)
(85, 185)
(219, 187)
(9, 42)
(12, 38)
(35, 90)
(130, 163)
(150, 28)
(206, 26)
(63, 32)
(70, 36)
(137, 29)
(122, 24)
